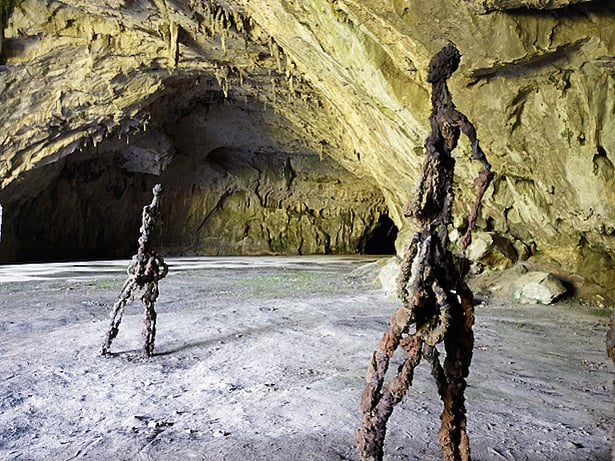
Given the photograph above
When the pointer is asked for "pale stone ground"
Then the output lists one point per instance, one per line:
(264, 358)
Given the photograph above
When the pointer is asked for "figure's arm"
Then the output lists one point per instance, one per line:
(484, 177)
(455, 117)
(481, 183)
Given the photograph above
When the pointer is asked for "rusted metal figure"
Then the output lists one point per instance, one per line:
(437, 304)
(144, 272)
(610, 350)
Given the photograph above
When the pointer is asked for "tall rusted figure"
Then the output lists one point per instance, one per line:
(144, 272)
(436, 302)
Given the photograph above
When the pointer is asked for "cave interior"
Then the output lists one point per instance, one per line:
(238, 180)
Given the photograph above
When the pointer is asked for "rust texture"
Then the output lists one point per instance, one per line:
(437, 304)
(144, 272)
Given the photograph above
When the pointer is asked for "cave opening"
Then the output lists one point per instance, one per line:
(238, 179)
(381, 239)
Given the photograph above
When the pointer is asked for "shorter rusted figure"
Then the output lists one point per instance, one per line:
(437, 304)
(144, 272)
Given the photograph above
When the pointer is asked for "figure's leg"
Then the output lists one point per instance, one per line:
(458, 342)
(116, 314)
(149, 320)
(377, 411)
(432, 355)
(405, 271)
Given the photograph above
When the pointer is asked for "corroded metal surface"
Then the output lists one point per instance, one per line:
(144, 272)
(437, 304)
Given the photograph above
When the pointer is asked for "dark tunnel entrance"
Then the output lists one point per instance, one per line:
(381, 240)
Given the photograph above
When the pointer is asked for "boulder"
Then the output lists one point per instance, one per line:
(388, 277)
(492, 250)
(149, 155)
(536, 288)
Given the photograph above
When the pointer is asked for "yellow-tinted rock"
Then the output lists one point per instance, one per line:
(349, 76)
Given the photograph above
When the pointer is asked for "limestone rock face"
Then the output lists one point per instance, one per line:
(343, 80)
(494, 5)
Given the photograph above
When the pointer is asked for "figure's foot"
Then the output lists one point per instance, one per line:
(147, 352)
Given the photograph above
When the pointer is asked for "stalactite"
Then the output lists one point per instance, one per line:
(238, 20)
(273, 89)
(223, 40)
(276, 52)
(222, 76)
(240, 72)
(173, 44)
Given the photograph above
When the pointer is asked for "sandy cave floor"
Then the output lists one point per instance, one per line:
(264, 359)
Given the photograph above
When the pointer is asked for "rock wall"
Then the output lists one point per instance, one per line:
(349, 77)
(235, 191)
(228, 191)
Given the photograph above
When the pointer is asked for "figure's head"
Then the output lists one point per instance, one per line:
(443, 64)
